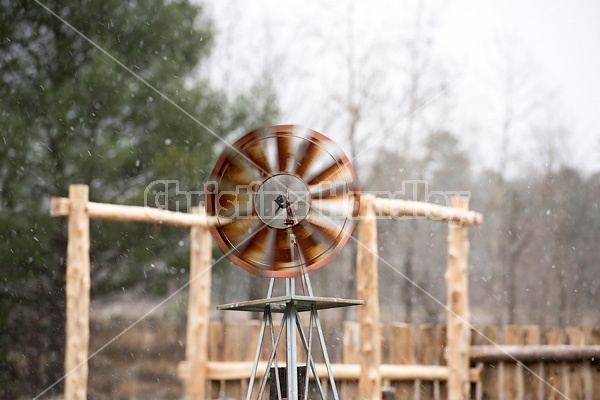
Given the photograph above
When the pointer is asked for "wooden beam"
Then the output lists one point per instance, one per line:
(198, 307)
(458, 331)
(78, 295)
(369, 382)
(60, 207)
(235, 371)
(534, 353)
(405, 208)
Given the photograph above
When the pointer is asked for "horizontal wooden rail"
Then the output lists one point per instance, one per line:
(60, 207)
(231, 370)
(407, 208)
(533, 353)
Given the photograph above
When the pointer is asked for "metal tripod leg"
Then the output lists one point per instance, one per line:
(261, 333)
(257, 354)
(325, 354)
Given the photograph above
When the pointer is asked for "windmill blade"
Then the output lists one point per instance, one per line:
(284, 150)
(334, 209)
(232, 204)
(311, 152)
(237, 231)
(310, 247)
(236, 173)
(333, 172)
(330, 190)
(259, 249)
(324, 226)
(256, 153)
(282, 258)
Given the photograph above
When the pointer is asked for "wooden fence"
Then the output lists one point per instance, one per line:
(419, 362)
(568, 374)
(369, 369)
(554, 363)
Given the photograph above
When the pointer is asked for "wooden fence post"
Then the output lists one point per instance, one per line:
(369, 382)
(77, 295)
(458, 332)
(198, 309)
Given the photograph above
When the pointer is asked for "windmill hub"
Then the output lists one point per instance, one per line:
(282, 201)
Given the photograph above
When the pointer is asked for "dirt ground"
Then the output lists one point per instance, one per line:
(139, 364)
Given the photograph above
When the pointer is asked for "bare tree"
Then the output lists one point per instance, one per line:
(561, 202)
(416, 68)
(520, 94)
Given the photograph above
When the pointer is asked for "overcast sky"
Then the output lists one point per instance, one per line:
(561, 38)
(564, 40)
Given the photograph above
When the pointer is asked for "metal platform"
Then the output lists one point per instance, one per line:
(295, 386)
(301, 303)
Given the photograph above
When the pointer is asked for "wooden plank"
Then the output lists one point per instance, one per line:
(369, 383)
(350, 355)
(234, 333)
(212, 389)
(78, 295)
(514, 374)
(427, 353)
(525, 335)
(251, 339)
(487, 335)
(60, 206)
(267, 345)
(441, 333)
(594, 370)
(403, 208)
(216, 341)
(553, 385)
(386, 337)
(458, 329)
(198, 307)
(425, 336)
(350, 389)
(575, 374)
(402, 344)
(437, 389)
(402, 352)
(247, 332)
(351, 342)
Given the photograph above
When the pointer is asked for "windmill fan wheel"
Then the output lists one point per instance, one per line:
(278, 182)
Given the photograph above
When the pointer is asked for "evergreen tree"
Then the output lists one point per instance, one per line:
(70, 114)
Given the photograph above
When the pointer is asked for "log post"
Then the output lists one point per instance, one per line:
(458, 332)
(369, 382)
(198, 308)
(77, 295)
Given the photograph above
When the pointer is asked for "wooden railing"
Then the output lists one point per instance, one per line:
(529, 363)
(372, 371)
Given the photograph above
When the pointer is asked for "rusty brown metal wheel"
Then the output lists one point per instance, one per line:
(274, 180)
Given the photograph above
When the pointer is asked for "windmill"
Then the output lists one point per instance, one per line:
(286, 201)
